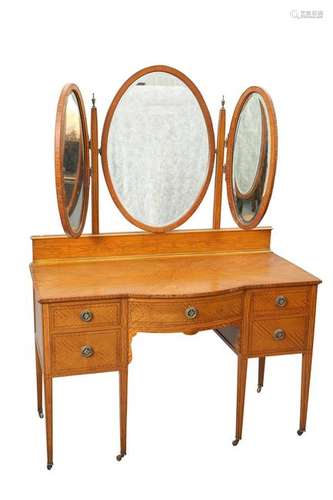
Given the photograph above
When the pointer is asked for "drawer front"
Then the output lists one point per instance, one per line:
(168, 315)
(280, 301)
(85, 353)
(274, 336)
(84, 316)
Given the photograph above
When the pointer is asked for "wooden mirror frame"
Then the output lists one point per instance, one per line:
(271, 169)
(59, 152)
(211, 144)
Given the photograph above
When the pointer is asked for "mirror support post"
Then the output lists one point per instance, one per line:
(219, 168)
(94, 169)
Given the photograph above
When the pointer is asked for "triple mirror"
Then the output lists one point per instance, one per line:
(158, 152)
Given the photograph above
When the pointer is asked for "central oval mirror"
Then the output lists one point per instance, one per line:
(158, 148)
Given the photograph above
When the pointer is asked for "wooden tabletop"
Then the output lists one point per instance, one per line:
(163, 276)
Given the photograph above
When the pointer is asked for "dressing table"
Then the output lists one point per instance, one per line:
(94, 292)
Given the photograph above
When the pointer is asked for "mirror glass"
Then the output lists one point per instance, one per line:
(73, 162)
(251, 157)
(158, 149)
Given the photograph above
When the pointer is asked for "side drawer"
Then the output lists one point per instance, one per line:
(85, 353)
(278, 336)
(184, 314)
(280, 301)
(84, 316)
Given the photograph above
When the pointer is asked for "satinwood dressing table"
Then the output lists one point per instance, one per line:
(94, 292)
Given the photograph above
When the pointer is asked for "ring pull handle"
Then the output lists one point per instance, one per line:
(191, 312)
(281, 301)
(86, 316)
(87, 351)
(279, 334)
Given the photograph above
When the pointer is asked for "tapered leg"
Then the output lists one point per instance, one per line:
(48, 420)
(39, 382)
(261, 373)
(305, 386)
(123, 379)
(241, 386)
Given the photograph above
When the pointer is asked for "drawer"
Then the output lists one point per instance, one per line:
(274, 336)
(85, 316)
(84, 353)
(178, 314)
(280, 301)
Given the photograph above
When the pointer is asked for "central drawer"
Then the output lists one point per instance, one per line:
(177, 314)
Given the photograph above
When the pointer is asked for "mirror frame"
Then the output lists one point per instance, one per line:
(59, 152)
(211, 146)
(272, 159)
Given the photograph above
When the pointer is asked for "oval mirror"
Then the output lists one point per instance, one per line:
(251, 157)
(72, 160)
(158, 148)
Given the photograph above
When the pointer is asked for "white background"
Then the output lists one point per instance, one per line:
(182, 389)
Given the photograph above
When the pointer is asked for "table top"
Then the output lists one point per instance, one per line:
(163, 276)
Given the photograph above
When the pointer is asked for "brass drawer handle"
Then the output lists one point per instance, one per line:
(87, 351)
(279, 334)
(281, 301)
(191, 312)
(86, 316)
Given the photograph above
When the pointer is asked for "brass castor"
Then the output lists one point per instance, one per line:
(259, 387)
(49, 466)
(120, 456)
(235, 442)
(300, 432)
(41, 414)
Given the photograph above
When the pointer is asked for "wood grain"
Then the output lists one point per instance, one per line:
(164, 277)
(262, 341)
(48, 396)
(242, 361)
(66, 317)
(39, 383)
(94, 171)
(261, 372)
(123, 378)
(264, 302)
(48, 386)
(219, 170)
(307, 361)
(38, 324)
(68, 360)
(149, 244)
(170, 315)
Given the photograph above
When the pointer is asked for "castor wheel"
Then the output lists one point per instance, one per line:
(300, 432)
(120, 456)
(41, 414)
(49, 466)
(259, 387)
(235, 442)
